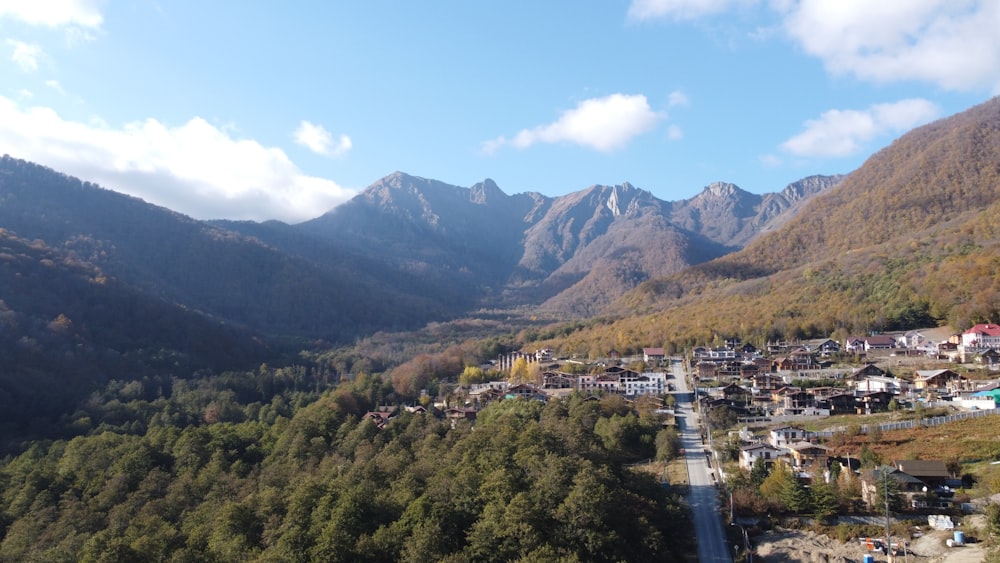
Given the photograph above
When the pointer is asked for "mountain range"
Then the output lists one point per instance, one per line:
(908, 240)
(96, 285)
(570, 255)
(405, 251)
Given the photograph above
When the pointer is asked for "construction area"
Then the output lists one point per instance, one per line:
(932, 546)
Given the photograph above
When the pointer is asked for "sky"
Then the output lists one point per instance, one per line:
(255, 110)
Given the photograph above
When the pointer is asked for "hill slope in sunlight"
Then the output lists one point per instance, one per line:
(909, 239)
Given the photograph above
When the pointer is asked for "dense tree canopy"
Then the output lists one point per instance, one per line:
(244, 467)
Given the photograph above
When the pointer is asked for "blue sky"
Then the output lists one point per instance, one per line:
(266, 110)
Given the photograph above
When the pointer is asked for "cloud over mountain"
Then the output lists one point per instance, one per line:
(317, 139)
(844, 132)
(602, 124)
(195, 168)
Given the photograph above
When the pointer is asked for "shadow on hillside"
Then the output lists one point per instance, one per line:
(730, 269)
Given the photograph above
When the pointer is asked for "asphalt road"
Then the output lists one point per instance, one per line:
(703, 498)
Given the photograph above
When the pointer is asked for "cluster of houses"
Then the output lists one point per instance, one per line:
(615, 380)
(864, 390)
(789, 444)
(979, 345)
(921, 483)
(754, 382)
(610, 378)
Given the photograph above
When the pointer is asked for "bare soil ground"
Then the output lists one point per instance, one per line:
(786, 546)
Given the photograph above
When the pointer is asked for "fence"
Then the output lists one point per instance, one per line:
(906, 424)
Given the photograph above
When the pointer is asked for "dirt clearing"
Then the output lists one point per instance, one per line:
(807, 546)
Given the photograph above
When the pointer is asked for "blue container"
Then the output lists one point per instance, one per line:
(959, 537)
(869, 559)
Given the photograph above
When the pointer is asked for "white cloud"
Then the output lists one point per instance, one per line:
(603, 124)
(678, 98)
(674, 133)
(317, 139)
(196, 168)
(55, 85)
(25, 55)
(54, 13)
(843, 132)
(680, 9)
(954, 44)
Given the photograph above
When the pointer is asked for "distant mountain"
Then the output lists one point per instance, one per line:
(404, 252)
(318, 291)
(934, 174)
(462, 240)
(573, 254)
(593, 245)
(733, 217)
(909, 239)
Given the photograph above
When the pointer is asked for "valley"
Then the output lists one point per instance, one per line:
(335, 390)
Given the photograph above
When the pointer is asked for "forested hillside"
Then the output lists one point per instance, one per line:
(66, 328)
(908, 240)
(319, 292)
(943, 172)
(255, 467)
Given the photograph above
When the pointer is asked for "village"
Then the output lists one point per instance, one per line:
(784, 382)
(758, 405)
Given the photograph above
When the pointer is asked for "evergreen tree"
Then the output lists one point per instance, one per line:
(824, 500)
(772, 487)
(758, 473)
(794, 495)
(869, 458)
(886, 485)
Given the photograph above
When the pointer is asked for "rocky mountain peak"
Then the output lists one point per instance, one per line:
(622, 198)
(395, 180)
(612, 203)
(486, 191)
(722, 190)
(809, 186)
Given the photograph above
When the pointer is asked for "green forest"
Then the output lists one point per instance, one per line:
(260, 466)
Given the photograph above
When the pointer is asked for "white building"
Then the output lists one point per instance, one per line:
(763, 452)
(782, 436)
(649, 383)
(479, 388)
(624, 382)
(880, 383)
(982, 337)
